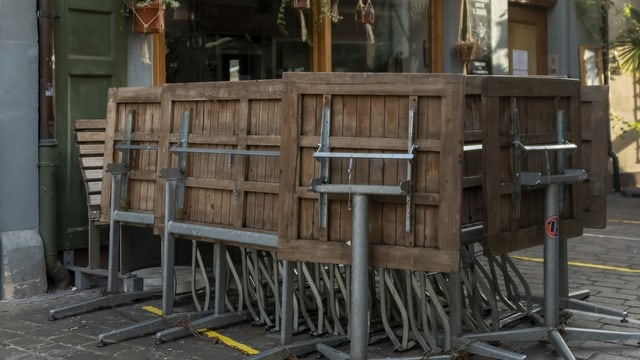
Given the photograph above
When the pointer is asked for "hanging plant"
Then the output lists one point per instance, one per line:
(466, 47)
(148, 18)
(148, 15)
(365, 14)
(327, 10)
(301, 4)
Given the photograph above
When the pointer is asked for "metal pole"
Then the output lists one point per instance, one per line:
(359, 278)
(114, 234)
(286, 324)
(551, 256)
(563, 259)
(220, 259)
(455, 303)
(168, 251)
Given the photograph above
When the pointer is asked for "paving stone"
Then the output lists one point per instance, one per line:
(29, 342)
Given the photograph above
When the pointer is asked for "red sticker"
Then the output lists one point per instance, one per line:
(551, 226)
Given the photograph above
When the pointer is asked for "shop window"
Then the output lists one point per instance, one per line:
(399, 40)
(214, 40)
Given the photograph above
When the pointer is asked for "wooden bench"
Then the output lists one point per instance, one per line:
(90, 141)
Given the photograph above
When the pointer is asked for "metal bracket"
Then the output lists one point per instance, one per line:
(125, 149)
(323, 155)
(413, 105)
(534, 180)
(324, 147)
(182, 158)
(517, 161)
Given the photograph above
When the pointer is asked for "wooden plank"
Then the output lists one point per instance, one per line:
(94, 199)
(88, 162)
(595, 121)
(288, 199)
(93, 174)
(91, 149)
(94, 186)
(90, 124)
(90, 136)
(504, 86)
(450, 163)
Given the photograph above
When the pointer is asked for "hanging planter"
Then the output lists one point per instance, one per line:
(148, 18)
(364, 12)
(465, 48)
(366, 15)
(148, 15)
(301, 4)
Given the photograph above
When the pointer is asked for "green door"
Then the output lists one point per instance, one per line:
(91, 56)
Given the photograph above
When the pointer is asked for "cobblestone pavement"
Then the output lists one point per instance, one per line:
(606, 262)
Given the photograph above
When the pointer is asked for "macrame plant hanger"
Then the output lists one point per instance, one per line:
(365, 14)
(146, 29)
(465, 47)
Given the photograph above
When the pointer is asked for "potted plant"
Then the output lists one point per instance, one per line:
(148, 15)
(466, 47)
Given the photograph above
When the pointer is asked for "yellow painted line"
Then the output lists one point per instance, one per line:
(213, 334)
(624, 221)
(581, 264)
(153, 310)
(230, 342)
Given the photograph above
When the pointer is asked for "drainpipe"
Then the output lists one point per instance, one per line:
(605, 66)
(47, 147)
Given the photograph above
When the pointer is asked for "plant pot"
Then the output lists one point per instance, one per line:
(301, 4)
(149, 18)
(365, 15)
(466, 49)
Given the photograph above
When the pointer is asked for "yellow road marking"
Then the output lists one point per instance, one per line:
(153, 310)
(581, 264)
(213, 334)
(623, 221)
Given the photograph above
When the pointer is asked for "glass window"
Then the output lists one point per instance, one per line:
(213, 40)
(398, 39)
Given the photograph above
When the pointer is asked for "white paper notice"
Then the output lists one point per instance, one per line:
(520, 62)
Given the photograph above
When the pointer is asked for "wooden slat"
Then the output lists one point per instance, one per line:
(95, 199)
(91, 149)
(92, 162)
(90, 136)
(94, 186)
(93, 174)
(90, 124)
(595, 120)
